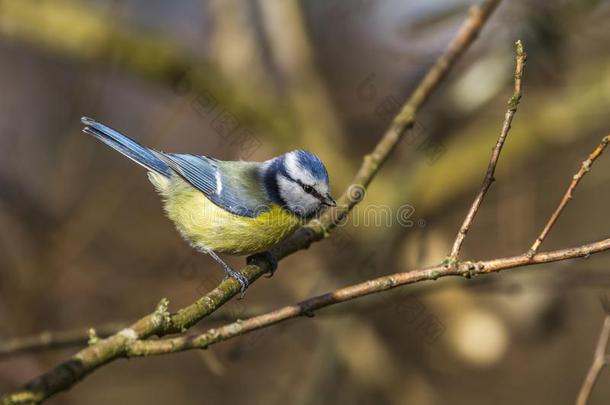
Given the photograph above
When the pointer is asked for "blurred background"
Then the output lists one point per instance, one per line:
(84, 242)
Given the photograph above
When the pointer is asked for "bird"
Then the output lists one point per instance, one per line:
(230, 207)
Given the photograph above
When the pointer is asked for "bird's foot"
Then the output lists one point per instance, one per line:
(241, 279)
(229, 272)
(268, 256)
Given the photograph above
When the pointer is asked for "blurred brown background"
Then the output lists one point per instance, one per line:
(83, 241)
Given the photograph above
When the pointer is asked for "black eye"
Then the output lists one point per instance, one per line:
(308, 189)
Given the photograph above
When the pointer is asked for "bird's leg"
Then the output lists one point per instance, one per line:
(268, 256)
(229, 272)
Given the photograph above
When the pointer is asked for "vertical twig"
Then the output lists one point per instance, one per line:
(513, 102)
(584, 169)
(600, 358)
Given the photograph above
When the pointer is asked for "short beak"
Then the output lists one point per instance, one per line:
(328, 200)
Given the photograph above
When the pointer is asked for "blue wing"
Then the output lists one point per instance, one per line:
(235, 186)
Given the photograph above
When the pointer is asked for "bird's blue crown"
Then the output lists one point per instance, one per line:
(313, 164)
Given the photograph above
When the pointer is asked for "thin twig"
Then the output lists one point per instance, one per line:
(55, 339)
(600, 359)
(162, 322)
(309, 306)
(513, 103)
(584, 169)
(60, 339)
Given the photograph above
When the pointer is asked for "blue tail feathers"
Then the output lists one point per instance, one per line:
(127, 146)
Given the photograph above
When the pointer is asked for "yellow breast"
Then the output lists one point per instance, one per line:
(207, 226)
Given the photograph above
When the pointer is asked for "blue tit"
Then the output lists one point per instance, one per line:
(232, 207)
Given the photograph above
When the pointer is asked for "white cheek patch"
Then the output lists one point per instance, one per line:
(297, 199)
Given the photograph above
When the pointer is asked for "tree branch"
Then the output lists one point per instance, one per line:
(584, 169)
(600, 360)
(513, 102)
(55, 339)
(308, 307)
(60, 339)
(161, 322)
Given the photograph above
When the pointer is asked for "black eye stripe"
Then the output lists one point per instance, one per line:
(313, 192)
(309, 189)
